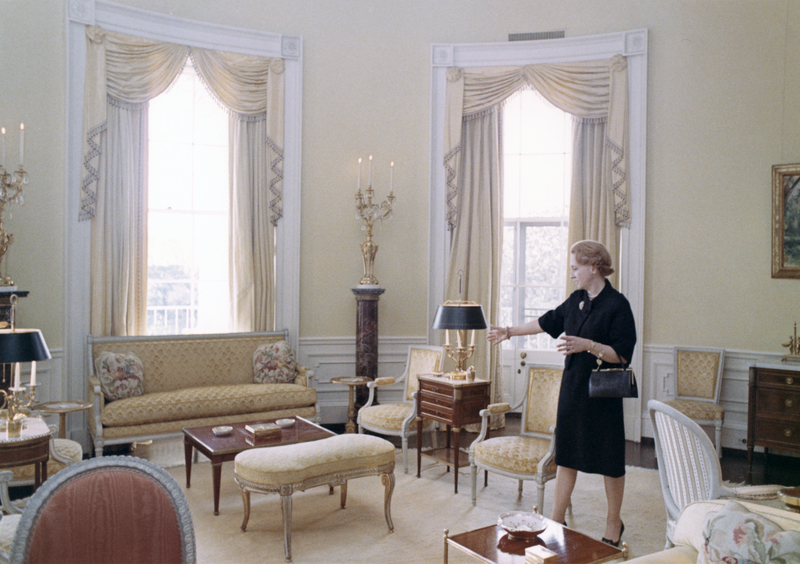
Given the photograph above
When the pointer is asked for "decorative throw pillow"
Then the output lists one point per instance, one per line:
(274, 363)
(121, 375)
(736, 534)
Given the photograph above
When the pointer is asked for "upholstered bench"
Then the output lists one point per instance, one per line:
(333, 461)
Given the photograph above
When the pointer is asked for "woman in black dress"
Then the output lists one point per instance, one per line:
(594, 325)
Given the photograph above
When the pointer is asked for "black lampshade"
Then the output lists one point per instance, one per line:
(22, 345)
(459, 315)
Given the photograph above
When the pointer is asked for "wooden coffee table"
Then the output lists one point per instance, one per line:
(493, 545)
(225, 448)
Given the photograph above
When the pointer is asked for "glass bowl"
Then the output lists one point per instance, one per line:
(522, 525)
(284, 422)
(222, 431)
(790, 498)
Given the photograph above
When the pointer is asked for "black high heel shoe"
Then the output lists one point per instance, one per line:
(612, 543)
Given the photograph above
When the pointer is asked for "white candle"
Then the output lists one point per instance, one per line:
(21, 143)
(33, 373)
(447, 337)
(359, 174)
(458, 336)
(391, 176)
(3, 162)
(472, 339)
(370, 171)
(16, 374)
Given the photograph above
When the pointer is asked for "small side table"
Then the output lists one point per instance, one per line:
(31, 447)
(62, 408)
(351, 381)
(456, 403)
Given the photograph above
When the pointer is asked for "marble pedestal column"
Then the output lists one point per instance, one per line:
(366, 337)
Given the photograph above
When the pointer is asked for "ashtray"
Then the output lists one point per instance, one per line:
(284, 422)
(222, 431)
(522, 525)
(790, 498)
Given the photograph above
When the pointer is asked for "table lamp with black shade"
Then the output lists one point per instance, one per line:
(461, 316)
(17, 346)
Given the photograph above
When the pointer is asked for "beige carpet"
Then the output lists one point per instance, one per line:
(421, 509)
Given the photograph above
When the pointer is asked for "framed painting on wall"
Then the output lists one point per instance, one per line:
(786, 221)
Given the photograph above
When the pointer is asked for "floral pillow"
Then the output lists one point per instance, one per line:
(121, 375)
(274, 363)
(735, 534)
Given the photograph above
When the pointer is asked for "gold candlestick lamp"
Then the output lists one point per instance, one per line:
(369, 212)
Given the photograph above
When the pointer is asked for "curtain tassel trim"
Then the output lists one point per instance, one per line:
(89, 183)
(275, 183)
(622, 211)
(452, 189)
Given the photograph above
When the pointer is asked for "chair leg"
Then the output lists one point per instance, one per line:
(718, 437)
(473, 470)
(388, 485)
(404, 445)
(286, 506)
(519, 488)
(539, 497)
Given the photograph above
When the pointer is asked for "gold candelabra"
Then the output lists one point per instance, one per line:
(794, 348)
(11, 192)
(369, 212)
(16, 404)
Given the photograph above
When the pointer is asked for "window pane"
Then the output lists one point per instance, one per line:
(188, 218)
(537, 178)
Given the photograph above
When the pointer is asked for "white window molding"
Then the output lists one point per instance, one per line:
(163, 27)
(633, 45)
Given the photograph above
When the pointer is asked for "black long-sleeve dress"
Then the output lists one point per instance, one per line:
(590, 432)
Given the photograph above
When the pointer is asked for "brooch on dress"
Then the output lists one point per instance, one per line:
(580, 305)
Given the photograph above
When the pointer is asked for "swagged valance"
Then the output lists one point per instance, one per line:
(128, 70)
(590, 91)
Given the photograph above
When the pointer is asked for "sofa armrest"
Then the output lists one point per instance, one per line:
(95, 395)
(304, 376)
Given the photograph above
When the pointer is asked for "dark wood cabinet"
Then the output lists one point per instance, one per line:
(773, 410)
(456, 403)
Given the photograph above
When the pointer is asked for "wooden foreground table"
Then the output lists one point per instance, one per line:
(493, 545)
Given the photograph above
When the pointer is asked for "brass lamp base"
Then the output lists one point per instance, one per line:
(14, 428)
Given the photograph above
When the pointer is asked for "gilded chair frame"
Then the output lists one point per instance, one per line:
(538, 423)
(410, 385)
(687, 391)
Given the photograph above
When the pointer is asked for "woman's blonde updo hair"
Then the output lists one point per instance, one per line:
(594, 254)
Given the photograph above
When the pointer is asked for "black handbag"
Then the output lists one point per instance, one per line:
(613, 383)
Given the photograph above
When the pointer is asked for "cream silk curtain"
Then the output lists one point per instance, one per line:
(124, 72)
(596, 94)
(477, 245)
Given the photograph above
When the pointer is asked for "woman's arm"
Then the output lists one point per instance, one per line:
(497, 334)
(570, 345)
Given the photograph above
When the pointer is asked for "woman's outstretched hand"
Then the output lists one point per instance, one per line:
(571, 345)
(496, 335)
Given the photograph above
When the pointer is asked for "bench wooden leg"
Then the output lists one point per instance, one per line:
(246, 500)
(343, 494)
(388, 482)
(286, 506)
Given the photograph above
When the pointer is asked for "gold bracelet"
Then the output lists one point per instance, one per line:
(508, 335)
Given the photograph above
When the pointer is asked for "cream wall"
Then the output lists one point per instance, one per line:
(722, 109)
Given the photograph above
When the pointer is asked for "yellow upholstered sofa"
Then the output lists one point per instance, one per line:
(190, 381)
(689, 539)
